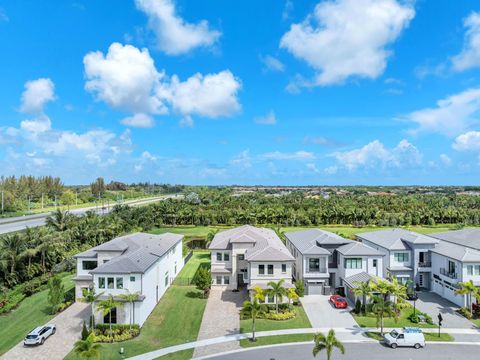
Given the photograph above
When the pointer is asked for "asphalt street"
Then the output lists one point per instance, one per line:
(353, 351)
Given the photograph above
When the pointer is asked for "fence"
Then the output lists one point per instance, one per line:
(188, 257)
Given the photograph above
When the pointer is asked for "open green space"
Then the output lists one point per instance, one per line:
(428, 336)
(278, 339)
(32, 312)
(175, 320)
(298, 322)
(389, 322)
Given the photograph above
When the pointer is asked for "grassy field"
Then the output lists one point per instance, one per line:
(300, 321)
(371, 321)
(279, 339)
(175, 320)
(32, 312)
(428, 336)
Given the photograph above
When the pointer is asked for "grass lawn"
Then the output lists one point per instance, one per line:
(193, 231)
(199, 259)
(32, 312)
(371, 321)
(428, 336)
(175, 320)
(300, 321)
(476, 322)
(279, 339)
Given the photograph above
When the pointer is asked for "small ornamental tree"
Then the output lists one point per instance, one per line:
(300, 288)
(56, 293)
(85, 331)
(203, 281)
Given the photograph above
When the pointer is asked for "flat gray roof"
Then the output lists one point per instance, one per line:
(310, 241)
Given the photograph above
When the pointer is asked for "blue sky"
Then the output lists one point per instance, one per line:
(242, 92)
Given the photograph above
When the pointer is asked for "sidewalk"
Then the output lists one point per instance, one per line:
(351, 334)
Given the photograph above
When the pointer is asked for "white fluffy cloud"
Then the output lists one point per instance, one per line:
(36, 94)
(375, 155)
(268, 119)
(37, 125)
(124, 78)
(174, 35)
(345, 38)
(470, 141)
(451, 116)
(139, 121)
(469, 57)
(272, 63)
(297, 155)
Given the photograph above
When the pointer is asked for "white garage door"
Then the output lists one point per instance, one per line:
(437, 287)
(450, 295)
(315, 289)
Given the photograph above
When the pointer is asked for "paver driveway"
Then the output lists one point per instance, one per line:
(69, 325)
(322, 314)
(221, 317)
(432, 304)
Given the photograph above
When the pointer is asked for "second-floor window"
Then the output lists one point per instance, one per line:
(226, 257)
(166, 279)
(241, 257)
(374, 262)
(401, 257)
(110, 283)
(353, 263)
(89, 265)
(132, 278)
(261, 269)
(473, 269)
(270, 269)
(284, 268)
(219, 256)
(101, 283)
(119, 283)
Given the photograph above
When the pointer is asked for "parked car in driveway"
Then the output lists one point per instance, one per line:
(38, 335)
(405, 337)
(338, 301)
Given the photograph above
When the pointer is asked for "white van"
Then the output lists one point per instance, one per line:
(408, 336)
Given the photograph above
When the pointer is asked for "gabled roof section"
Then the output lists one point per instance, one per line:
(266, 245)
(464, 237)
(390, 239)
(356, 248)
(310, 241)
(457, 252)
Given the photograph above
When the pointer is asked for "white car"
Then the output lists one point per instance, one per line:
(406, 337)
(38, 335)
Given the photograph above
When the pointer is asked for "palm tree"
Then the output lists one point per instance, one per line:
(254, 309)
(470, 290)
(277, 290)
(59, 220)
(364, 289)
(399, 291)
(382, 287)
(328, 343)
(258, 294)
(87, 348)
(107, 306)
(90, 297)
(291, 295)
(382, 308)
(11, 249)
(131, 298)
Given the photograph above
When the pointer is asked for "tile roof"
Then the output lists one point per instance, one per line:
(457, 252)
(137, 252)
(357, 248)
(360, 277)
(396, 239)
(310, 241)
(464, 237)
(267, 246)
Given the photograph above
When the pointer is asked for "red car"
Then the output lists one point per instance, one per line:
(338, 301)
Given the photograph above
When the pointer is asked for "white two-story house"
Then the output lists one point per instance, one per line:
(139, 263)
(249, 256)
(328, 263)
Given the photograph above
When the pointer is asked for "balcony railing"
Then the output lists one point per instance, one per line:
(424, 264)
(316, 271)
(446, 273)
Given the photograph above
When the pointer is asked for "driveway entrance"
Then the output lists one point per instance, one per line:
(322, 314)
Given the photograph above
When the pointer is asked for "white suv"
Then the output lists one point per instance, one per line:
(39, 334)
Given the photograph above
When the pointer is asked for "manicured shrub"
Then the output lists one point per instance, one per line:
(465, 312)
(119, 332)
(85, 331)
(287, 315)
(300, 288)
(358, 306)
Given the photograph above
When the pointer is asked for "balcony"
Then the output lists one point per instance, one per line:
(425, 264)
(446, 273)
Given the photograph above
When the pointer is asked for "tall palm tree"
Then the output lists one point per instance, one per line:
(383, 308)
(254, 309)
(382, 287)
(11, 249)
(90, 297)
(131, 298)
(59, 220)
(399, 291)
(277, 290)
(363, 289)
(87, 348)
(107, 306)
(470, 290)
(328, 343)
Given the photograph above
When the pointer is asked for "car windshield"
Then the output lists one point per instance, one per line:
(341, 300)
(31, 336)
(393, 333)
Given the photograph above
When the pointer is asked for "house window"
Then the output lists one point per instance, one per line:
(89, 265)
(313, 265)
(226, 280)
(219, 256)
(270, 270)
(166, 279)
(354, 263)
(401, 257)
(261, 269)
(175, 267)
(374, 262)
(219, 280)
(284, 268)
(477, 269)
(451, 267)
(226, 257)
(101, 283)
(403, 279)
(110, 283)
(119, 282)
(469, 269)
(270, 298)
(241, 257)
(132, 278)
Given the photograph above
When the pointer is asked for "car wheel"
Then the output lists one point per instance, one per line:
(42, 341)
(393, 346)
(417, 346)
(53, 331)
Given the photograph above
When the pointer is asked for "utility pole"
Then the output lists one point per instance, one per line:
(3, 206)
(76, 198)
(55, 201)
(42, 201)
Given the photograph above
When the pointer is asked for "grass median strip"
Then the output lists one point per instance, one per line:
(277, 339)
(428, 336)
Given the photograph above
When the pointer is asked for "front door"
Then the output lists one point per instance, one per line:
(421, 280)
(112, 315)
(240, 280)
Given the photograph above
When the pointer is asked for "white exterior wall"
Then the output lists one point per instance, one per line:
(255, 277)
(385, 252)
(103, 256)
(222, 263)
(80, 270)
(394, 263)
(367, 266)
(466, 277)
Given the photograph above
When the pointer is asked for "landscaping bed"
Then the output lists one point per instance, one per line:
(298, 322)
(370, 320)
(118, 333)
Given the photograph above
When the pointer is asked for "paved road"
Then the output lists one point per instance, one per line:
(432, 304)
(355, 352)
(69, 325)
(22, 222)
